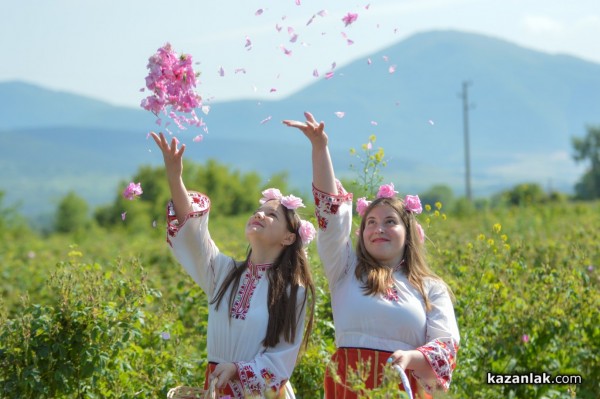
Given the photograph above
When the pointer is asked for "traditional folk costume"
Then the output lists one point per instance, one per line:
(374, 326)
(234, 335)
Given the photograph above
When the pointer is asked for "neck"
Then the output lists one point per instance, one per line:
(262, 256)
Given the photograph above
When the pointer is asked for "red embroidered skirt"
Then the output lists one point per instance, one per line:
(348, 358)
(227, 390)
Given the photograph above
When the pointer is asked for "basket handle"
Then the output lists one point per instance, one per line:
(211, 393)
(404, 379)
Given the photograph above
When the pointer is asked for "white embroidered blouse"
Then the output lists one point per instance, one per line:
(234, 335)
(390, 322)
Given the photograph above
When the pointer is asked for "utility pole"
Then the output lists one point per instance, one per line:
(465, 98)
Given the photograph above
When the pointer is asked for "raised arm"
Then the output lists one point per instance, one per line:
(173, 158)
(323, 174)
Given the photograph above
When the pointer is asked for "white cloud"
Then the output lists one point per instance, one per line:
(542, 25)
(558, 166)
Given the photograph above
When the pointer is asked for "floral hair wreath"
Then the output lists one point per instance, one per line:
(412, 204)
(307, 230)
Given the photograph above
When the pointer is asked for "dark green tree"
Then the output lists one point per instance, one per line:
(588, 149)
(438, 193)
(72, 214)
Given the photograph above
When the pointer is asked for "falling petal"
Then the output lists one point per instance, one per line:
(315, 73)
(165, 335)
(297, 2)
(392, 69)
(310, 20)
(333, 65)
(198, 138)
(349, 18)
(329, 75)
(248, 44)
(374, 123)
(221, 71)
(259, 12)
(340, 114)
(238, 70)
(143, 89)
(369, 61)
(154, 223)
(268, 118)
(350, 42)
(322, 13)
(159, 121)
(385, 58)
(278, 27)
(367, 6)
(286, 51)
(431, 122)
(123, 216)
(294, 38)
(272, 90)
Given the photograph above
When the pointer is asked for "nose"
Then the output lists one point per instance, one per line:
(259, 215)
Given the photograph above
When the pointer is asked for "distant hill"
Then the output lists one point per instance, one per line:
(524, 108)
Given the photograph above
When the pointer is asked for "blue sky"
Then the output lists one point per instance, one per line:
(100, 49)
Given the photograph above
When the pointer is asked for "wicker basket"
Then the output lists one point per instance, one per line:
(183, 392)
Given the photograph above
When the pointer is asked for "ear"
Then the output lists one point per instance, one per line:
(288, 239)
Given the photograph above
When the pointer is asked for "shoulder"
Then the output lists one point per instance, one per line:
(435, 287)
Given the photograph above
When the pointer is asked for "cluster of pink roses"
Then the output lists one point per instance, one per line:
(172, 80)
(132, 191)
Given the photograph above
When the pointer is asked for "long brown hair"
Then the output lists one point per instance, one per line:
(287, 274)
(376, 277)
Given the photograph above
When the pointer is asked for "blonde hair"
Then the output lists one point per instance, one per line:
(376, 277)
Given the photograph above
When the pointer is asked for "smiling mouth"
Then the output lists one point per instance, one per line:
(256, 224)
(379, 240)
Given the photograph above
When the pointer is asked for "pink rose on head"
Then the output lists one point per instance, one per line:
(412, 203)
(291, 202)
(386, 191)
(361, 206)
(270, 194)
(307, 232)
(132, 191)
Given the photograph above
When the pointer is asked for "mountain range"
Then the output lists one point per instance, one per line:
(523, 108)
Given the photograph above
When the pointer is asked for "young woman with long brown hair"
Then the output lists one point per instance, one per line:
(388, 307)
(257, 306)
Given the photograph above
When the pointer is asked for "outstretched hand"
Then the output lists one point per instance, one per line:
(311, 129)
(172, 156)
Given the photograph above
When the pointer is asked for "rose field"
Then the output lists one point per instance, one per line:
(106, 312)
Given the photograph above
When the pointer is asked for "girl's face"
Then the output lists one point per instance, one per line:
(268, 226)
(384, 235)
